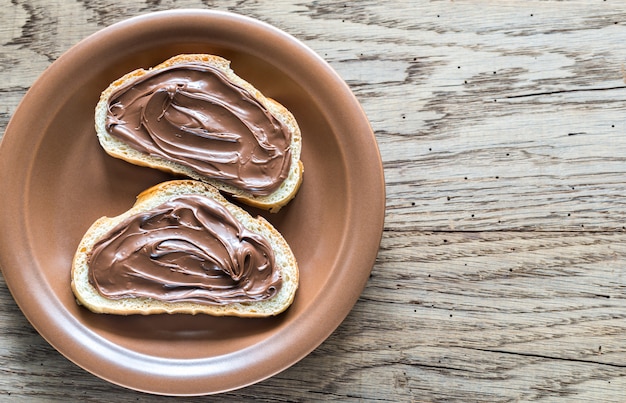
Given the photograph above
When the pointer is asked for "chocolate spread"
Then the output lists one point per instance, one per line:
(190, 248)
(194, 115)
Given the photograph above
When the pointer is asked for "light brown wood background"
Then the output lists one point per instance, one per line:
(501, 273)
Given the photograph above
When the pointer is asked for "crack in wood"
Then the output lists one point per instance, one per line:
(581, 231)
(534, 94)
(547, 357)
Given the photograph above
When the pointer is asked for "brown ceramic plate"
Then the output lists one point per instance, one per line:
(59, 181)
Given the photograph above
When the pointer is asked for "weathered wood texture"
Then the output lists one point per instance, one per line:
(501, 274)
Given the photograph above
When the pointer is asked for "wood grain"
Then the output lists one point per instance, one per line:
(500, 276)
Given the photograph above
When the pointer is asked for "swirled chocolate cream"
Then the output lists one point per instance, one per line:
(192, 115)
(183, 248)
(187, 249)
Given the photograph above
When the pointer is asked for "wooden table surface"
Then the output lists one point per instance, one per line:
(501, 273)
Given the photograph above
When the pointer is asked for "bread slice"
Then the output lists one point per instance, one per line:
(285, 262)
(117, 148)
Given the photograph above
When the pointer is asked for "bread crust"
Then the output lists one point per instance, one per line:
(89, 297)
(118, 149)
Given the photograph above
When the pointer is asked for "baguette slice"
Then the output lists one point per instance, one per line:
(117, 148)
(285, 261)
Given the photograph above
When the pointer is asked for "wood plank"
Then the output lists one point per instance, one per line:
(474, 316)
(489, 129)
(480, 127)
